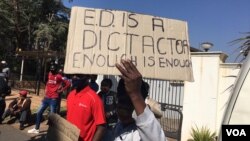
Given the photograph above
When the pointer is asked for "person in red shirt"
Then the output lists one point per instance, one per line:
(52, 90)
(85, 110)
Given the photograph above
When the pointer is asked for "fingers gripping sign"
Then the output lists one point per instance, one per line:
(132, 77)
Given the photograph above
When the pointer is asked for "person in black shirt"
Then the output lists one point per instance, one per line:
(109, 99)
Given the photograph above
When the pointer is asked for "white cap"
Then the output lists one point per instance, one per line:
(3, 62)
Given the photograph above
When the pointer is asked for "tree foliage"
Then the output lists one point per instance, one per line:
(32, 25)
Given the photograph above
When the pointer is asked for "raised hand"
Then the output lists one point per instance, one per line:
(132, 81)
(132, 77)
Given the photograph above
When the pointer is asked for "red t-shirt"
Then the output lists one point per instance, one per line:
(53, 84)
(85, 110)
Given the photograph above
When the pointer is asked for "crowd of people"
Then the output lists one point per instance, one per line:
(100, 113)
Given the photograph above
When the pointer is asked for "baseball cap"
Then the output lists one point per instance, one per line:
(23, 92)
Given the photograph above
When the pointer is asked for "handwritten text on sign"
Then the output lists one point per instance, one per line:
(99, 38)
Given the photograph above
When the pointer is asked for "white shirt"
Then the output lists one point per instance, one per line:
(146, 128)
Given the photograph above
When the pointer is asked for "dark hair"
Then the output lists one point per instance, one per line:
(122, 96)
(93, 77)
(107, 82)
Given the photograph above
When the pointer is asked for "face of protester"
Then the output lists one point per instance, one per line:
(53, 72)
(22, 97)
(80, 81)
(105, 89)
(53, 69)
(124, 113)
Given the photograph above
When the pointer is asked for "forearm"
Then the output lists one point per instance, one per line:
(138, 102)
(100, 130)
(14, 102)
(67, 85)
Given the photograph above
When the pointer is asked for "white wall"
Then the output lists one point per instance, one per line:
(205, 97)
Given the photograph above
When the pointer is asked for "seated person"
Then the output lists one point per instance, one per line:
(20, 108)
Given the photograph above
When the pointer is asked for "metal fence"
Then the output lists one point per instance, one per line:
(170, 95)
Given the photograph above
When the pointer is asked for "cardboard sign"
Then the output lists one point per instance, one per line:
(61, 130)
(98, 39)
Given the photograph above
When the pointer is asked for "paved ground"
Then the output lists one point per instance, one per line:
(10, 127)
(9, 133)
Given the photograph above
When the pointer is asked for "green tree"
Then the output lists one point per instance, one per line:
(32, 24)
(6, 29)
(51, 32)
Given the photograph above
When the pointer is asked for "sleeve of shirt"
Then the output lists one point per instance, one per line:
(148, 127)
(98, 112)
(59, 78)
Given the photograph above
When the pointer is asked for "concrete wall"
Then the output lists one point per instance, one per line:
(205, 98)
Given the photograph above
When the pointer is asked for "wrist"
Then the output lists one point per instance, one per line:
(135, 96)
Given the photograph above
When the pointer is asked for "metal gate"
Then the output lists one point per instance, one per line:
(170, 95)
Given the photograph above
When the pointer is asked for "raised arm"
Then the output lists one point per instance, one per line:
(133, 81)
(147, 125)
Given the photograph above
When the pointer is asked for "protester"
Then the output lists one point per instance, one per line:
(20, 108)
(52, 90)
(4, 91)
(2, 73)
(85, 110)
(109, 99)
(131, 94)
(5, 70)
(93, 83)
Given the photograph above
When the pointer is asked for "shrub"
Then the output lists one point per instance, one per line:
(202, 134)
